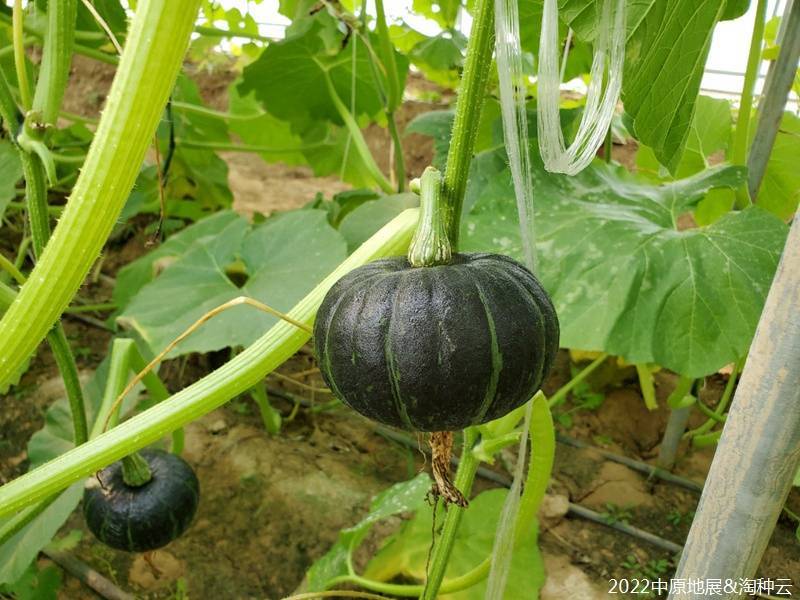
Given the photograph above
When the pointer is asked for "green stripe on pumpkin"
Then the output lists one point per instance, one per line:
(394, 376)
(497, 359)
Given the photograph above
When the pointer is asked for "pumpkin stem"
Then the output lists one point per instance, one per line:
(430, 245)
(135, 470)
(441, 443)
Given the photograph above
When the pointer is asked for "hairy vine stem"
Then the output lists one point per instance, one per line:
(18, 19)
(62, 22)
(56, 60)
(357, 137)
(443, 547)
(156, 44)
(471, 96)
(393, 95)
(742, 131)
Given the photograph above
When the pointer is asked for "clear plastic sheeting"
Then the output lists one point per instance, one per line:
(508, 52)
(601, 97)
(513, 89)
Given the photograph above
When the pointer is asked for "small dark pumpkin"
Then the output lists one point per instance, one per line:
(436, 348)
(146, 517)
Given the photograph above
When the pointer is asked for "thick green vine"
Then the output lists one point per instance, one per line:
(442, 548)
(155, 47)
(56, 60)
(36, 204)
(471, 96)
(742, 132)
(233, 378)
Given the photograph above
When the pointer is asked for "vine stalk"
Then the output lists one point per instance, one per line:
(54, 73)
(471, 96)
(156, 44)
(443, 547)
(235, 377)
(742, 132)
(358, 138)
(17, 27)
(394, 93)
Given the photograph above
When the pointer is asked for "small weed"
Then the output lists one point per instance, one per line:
(104, 555)
(617, 514)
(181, 590)
(651, 570)
(583, 398)
(603, 440)
(676, 517)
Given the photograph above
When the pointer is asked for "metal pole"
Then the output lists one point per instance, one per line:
(759, 452)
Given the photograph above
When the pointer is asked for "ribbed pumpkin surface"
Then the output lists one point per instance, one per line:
(139, 519)
(436, 348)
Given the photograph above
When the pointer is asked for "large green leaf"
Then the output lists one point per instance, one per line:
(623, 277)
(303, 121)
(734, 9)
(35, 584)
(133, 276)
(780, 187)
(265, 130)
(401, 497)
(303, 62)
(406, 553)
(10, 174)
(360, 224)
(444, 12)
(664, 63)
(710, 132)
(276, 262)
(439, 57)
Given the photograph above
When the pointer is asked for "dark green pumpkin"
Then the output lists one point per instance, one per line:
(436, 348)
(142, 518)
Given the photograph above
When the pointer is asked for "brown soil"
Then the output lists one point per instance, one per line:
(271, 505)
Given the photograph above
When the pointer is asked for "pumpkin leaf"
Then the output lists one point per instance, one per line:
(438, 57)
(624, 278)
(780, 188)
(311, 53)
(362, 222)
(35, 584)
(709, 134)
(444, 12)
(401, 497)
(406, 553)
(661, 81)
(265, 130)
(276, 262)
(303, 122)
(136, 274)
